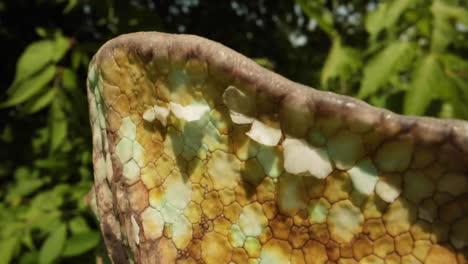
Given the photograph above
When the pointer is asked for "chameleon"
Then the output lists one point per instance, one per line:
(203, 156)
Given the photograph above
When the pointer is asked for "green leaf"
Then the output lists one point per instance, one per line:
(53, 245)
(383, 66)
(69, 79)
(29, 258)
(76, 57)
(442, 8)
(26, 187)
(81, 243)
(385, 16)
(443, 33)
(27, 239)
(318, 11)
(58, 125)
(456, 68)
(41, 32)
(376, 20)
(61, 45)
(45, 208)
(444, 30)
(39, 102)
(30, 86)
(428, 80)
(395, 9)
(78, 225)
(71, 4)
(27, 181)
(34, 58)
(8, 248)
(341, 62)
(7, 135)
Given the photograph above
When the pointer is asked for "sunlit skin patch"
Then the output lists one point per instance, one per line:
(202, 156)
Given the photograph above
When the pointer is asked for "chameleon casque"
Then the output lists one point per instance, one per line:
(203, 156)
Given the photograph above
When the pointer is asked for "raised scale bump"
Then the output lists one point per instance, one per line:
(203, 156)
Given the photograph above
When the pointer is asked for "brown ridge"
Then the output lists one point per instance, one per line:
(240, 69)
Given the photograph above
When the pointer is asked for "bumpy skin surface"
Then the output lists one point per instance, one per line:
(202, 156)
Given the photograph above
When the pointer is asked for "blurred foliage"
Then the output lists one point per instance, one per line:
(412, 58)
(407, 56)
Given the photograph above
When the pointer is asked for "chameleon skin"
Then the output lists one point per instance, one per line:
(202, 156)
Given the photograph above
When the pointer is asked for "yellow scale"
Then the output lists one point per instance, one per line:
(202, 156)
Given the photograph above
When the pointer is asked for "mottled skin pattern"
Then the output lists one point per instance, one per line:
(202, 156)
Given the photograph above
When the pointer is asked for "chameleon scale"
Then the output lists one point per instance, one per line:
(202, 156)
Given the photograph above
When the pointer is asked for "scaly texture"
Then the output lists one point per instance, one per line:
(202, 156)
